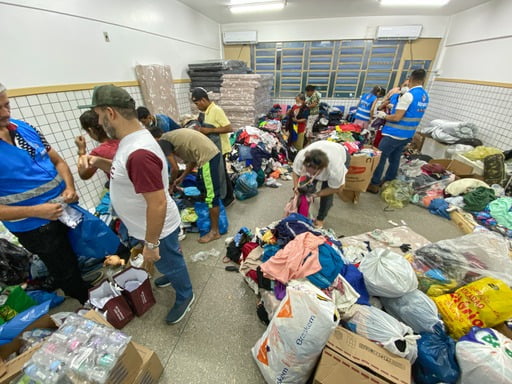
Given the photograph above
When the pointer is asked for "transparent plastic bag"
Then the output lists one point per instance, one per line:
(203, 255)
(387, 274)
(444, 266)
(376, 325)
(415, 309)
(397, 194)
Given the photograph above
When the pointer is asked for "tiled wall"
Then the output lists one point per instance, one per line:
(489, 107)
(56, 116)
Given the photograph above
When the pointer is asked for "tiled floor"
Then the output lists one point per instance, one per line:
(212, 344)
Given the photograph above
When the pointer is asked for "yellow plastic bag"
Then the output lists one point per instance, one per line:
(483, 303)
(481, 152)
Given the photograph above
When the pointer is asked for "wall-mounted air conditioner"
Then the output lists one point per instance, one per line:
(241, 37)
(398, 32)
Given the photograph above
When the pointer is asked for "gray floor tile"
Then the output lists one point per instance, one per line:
(215, 345)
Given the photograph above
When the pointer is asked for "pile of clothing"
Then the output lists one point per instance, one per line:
(427, 180)
(263, 149)
(390, 294)
(450, 132)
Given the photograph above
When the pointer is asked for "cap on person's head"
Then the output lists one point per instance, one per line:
(110, 96)
(199, 93)
(3, 88)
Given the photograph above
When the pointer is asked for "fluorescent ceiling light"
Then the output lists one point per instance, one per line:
(414, 3)
(256, 6)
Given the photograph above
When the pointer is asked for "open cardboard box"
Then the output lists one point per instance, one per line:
(456, 167)
(351, 358)
(12, 368)
(360, 171)
(150, 368)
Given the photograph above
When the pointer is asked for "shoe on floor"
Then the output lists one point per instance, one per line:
(162, 282)
(93, 278)
(372, 188)
(178, 312)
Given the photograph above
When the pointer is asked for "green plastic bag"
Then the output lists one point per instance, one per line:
(19, 300)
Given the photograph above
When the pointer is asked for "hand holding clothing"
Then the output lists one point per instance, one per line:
(69, 195)
(381, 114)
(49, 211)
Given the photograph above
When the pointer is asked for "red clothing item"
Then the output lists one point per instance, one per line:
(145, 171)
(301, 127)
(107, 149)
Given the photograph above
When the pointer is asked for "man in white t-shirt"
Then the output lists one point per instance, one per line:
(138, 189)
(323, 161)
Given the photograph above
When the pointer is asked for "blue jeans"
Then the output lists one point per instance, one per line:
(391, 151)
(172, 265)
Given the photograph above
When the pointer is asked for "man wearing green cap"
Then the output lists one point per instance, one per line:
(138, 189)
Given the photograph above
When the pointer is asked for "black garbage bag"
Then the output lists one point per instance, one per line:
(14, 263)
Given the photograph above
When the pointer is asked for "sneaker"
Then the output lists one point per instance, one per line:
(178, 312)
(162, 282)
(373, 189)
(93, 278)
(182, 235)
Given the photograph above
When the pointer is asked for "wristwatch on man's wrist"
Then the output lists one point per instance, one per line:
(149, 245)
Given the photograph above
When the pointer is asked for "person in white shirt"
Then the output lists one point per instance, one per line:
(139, 186)
(323, 161)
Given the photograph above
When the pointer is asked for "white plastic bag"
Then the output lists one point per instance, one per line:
(343, 294)
(387, 274)
(484, 356)
(415, 309)
(288, 350)
(378, 326)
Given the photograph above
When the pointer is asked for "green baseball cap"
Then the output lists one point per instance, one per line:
(110, 96)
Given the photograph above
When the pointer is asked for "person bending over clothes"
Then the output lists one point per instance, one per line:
(161, 121)
(139, 187)
(34, 182)
(196, 150)
(323, 161)
(107, 148)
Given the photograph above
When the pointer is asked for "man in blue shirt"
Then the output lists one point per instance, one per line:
(400, 128)
(34, 183)
(158, 121)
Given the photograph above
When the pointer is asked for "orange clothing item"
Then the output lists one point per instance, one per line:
(297, 260)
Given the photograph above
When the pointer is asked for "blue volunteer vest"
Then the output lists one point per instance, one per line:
(365, 106)
(393, 100)
(406, 127)
(27, 181)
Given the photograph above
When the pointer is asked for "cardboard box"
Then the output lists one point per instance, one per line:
(349, 196)
(454, 166)
(150, 369)
(359, 361)
(13, 367)
(151, 366)
(478, 166)
(504, 330)
(360, 172)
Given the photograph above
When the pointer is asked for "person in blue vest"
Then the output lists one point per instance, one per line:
(400, 128)
(158, 121)
(34, 182)
(366, 106)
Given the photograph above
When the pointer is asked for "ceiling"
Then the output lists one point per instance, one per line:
(313, 9)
